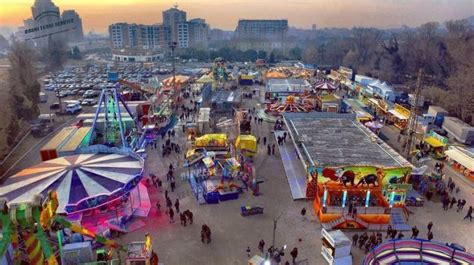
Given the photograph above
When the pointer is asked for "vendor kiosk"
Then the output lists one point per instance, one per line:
(336, 247)
(399, 115)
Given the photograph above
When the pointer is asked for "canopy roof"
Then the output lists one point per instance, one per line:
(434, 142)
(75, 179)
(461, 156)
(324, 85)
(205, 79)
(180, 79)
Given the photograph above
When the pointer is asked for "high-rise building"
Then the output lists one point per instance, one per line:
(262, 28)
(46, 23)
(171, 18)
(193, 34)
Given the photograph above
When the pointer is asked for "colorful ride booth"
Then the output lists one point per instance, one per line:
(435, 144)
(356, 180)
(219, 184)
(398, 116)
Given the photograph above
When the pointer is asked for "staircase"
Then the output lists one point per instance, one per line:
(333, 223)
(398, 220)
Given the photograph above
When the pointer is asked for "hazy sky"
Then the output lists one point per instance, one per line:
(98, 14)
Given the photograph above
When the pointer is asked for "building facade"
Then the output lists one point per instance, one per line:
(47, 23)
(188, 34)
(262, 28)
(137, 36)
(267, 34)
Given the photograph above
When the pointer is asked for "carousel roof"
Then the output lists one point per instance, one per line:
(74, 178)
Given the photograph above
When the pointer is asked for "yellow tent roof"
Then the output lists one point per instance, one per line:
(433, 142)
(205, 79)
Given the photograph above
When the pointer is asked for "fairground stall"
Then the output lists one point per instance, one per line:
(279, 89)
(435, 144)
(353, 176)
(399, 116)
(461, 160)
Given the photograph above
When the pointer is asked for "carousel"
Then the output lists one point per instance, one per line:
(82, 182)
(291, 104)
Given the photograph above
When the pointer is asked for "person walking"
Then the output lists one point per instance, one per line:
(190, 217)
(171, 213)
(176, 205)
(389, 231)
(294, 254)
(430, 235)
(203, 233)
(269, 150)
(248, 251)
(273, 149)
(414, 232)
(400, 235)
(173, 183)
(264, 140)
(430, 225)
(261, 245)
(303, 213)
(453, 201)
(182, 218)
(169, 204)
(355, 237)
(158, 206)
(469, 214)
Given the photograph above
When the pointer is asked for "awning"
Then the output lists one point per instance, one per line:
(434, 142)
(397, 115)
(460, 157)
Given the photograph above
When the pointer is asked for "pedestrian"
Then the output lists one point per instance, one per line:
(171, 212)
(154, 144)
(261, 245)
(208, 234)
(355, 237)
(400, 235)
(453, 201)
(190, 217)
(303, 213)
(430, 225)
(269, 149)
(176, 205)
(182, 218)
(284, 137)
(469, 214)
(273, 149)
(367, 247)
(294, 254)
(264, 140)
(203, 233)
(166, 193)
(430, 235)
(394, 233)
(169, 204)
(158, 206)
(354, 212)
(414, 232)
(389, 231)
(173, 183)
(160, 185)
(248, 251)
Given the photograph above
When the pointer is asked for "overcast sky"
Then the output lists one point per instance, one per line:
(98, 14)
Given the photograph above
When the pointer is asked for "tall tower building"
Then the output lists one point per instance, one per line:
(171, 18)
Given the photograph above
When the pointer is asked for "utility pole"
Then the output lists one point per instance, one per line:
(412, 121)
(172, 45)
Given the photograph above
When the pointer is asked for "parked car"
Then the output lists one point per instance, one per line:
(54, 106)
(89, 102)
(73, 108)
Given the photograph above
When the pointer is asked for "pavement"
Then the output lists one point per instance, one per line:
(232, 233)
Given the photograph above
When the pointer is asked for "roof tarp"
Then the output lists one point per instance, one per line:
(434, 142)
(397, 114)
(460, 157)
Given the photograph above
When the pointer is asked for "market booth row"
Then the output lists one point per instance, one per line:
(461, 160)
(354, 178)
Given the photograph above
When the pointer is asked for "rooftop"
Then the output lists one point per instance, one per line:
(333, 139)
(287, 85)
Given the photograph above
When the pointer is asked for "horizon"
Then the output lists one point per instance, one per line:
(96, 17)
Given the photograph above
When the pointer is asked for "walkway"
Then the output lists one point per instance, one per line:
(294, 170)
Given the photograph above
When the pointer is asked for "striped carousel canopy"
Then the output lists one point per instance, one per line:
(75, 179)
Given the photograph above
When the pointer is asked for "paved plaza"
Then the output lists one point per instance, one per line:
(232, 233)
